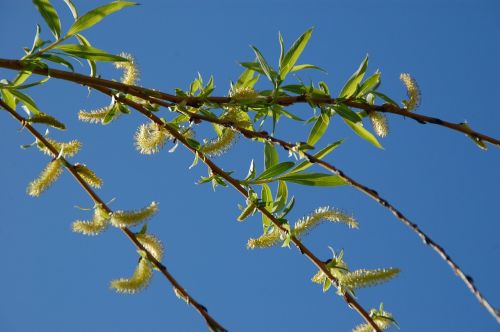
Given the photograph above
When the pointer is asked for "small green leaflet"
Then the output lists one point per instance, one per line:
(50, 16)
(267, 198)
(57, 59)
(72, 8)
(8, 98)
(314, 179)
(37, 41)
(346, 113)
(96, 15)
(271, 157)
(370, 82)
(266, 69)
(275, 170)
(350, 87)
(293, 54)
(90, 53)
(385, 98)
(306, 66)
(363, 133)
(320, 155)
(319, 128)
(281, 196)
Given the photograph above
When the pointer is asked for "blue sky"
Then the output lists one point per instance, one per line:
(56, 280)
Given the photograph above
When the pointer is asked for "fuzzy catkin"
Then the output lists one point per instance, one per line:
(46, 178)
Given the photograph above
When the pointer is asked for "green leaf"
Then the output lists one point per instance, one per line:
(113, 112)
(346, 113)
(275, 170)
(294, 53)
(96, 15)
(83, 41)
(350, 87)
(363, 133)
(306, 66)
(266, 69)
(369, 83)
(314, 179)
(8, 98)
(27, 101)
(90, 53)
(72, 8)
(281, 195)
(251, 171)
(385, 98)
(267, 198)
(255, 66)
(26, 86)
(50, 16)
(319, 128)
(37, 41)
(288, 208)
(271, 157)
(282, 49)
(57, 59)
(320, 155)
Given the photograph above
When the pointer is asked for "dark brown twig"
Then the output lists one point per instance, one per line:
(211, 322)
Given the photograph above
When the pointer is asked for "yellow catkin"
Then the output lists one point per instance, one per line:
(244, 93)
(88, 175)
(94, 116)
(150, 138)
(151, 244)
(69, 149)
(269, 239)
(367, 278)
(46, 178)
(130, 70)
(304, 225)
(383, 322)
(95, 226)
(379, 123)
(132, 218)
(412, 90)
(139, 280)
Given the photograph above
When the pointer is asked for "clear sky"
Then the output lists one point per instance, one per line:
(55, 280)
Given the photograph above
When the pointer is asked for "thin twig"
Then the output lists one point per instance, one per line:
(467, 279)
(211, 322)
(197, 101)
(350, 300)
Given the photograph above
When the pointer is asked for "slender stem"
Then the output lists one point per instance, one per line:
(466, 279)
(197, 101)
(351, 301)
(211, 322)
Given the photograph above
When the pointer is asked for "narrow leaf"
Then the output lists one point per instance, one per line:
(306, 66)
(96, 15)
(58, 59)
(363, 133)
(72, 8)
(83, 41)
(350, 87)
(318, 129)
(266, 69)
(27, 101)
(314, 179)
(281, 195)
(294, 53)
(369, 83)
(320, 155)
(346, 113)
(90, 53)
(275, 170)
(50, 16)
(271, 157)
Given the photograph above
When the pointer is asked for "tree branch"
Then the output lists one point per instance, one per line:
(211, 322)
(197, 101)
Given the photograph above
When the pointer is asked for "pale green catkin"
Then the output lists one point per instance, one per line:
(95, 226)
(88, 175)
(139, 280)
(269, 239)
(412, 90)
(304, 225)
(46, 178)
(379, 123)
(69, 149)
(131, 218)
(367, 278)
(94, 116)
(151, 244)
